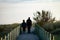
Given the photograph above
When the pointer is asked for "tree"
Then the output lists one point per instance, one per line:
(43, 18)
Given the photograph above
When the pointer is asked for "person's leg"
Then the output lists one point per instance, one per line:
(28, 29)
(23, 29)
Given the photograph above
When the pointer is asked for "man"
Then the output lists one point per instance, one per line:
(29, 24)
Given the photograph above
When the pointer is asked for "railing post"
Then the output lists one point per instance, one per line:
(5, 37)
(50, 36)
(13, 34)
(1, 38)
(45, 35)
(10, 35)
(53, 38)
(16, 32)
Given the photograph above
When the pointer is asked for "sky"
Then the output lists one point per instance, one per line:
(14, 11)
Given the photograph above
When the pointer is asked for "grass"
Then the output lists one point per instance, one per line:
(4, 29)
(56, 37)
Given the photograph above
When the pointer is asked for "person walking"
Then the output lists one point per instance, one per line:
(29, 24)
(24, 26)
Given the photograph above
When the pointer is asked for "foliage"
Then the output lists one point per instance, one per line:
(52, 26)
(43, 18)
(56, 25)
(48, 27)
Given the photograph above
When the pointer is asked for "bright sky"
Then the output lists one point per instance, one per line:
(12, 11)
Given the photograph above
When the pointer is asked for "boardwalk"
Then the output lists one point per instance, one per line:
(27, 37)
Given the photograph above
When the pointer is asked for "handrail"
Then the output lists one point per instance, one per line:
(12, 35)
(55, 30)
(41, 33)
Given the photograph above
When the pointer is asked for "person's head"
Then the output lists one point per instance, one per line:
(28, 17)
(23, 20)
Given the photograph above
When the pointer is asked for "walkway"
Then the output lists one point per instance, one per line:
(27, 36)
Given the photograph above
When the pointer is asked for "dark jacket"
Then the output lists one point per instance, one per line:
(29, 22)
(23, 24)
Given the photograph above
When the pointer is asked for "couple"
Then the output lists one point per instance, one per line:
(27, 24)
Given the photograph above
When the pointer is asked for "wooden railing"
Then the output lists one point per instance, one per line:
(42, 34)
(12, 35)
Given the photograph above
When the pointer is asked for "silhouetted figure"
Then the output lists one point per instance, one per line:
(29, 24)
(24, 26)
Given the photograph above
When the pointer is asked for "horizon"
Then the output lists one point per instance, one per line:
(15, 11)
